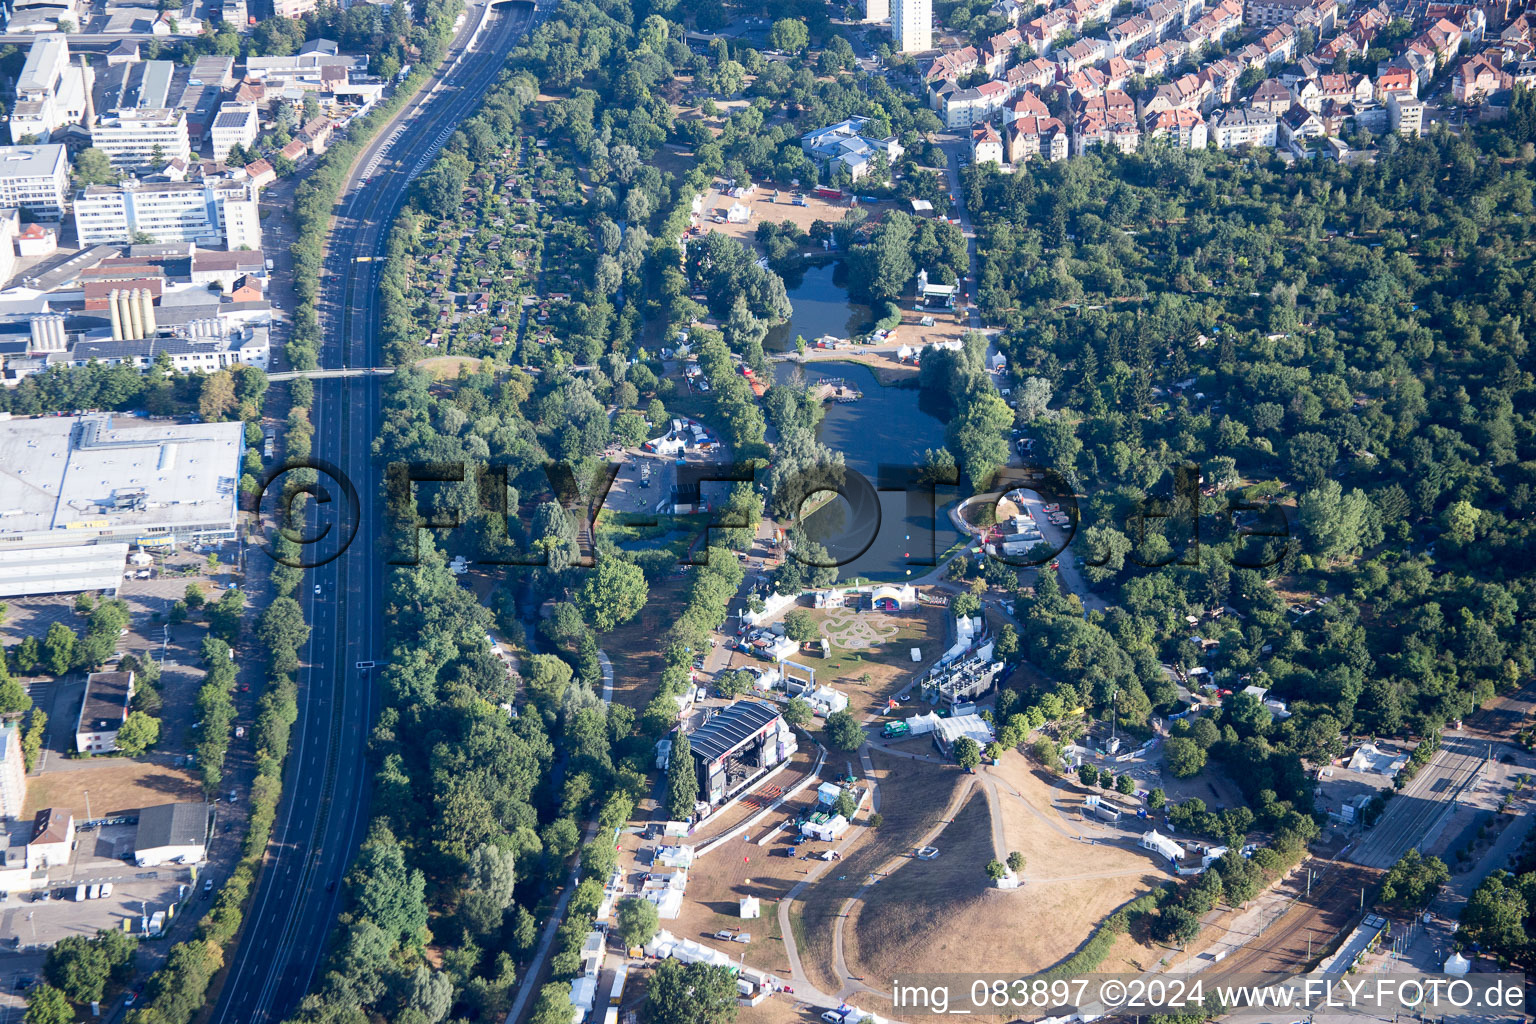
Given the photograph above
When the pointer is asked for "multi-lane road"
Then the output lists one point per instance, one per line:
(324, 812)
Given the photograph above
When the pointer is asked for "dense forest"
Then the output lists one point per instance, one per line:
(1341, 345)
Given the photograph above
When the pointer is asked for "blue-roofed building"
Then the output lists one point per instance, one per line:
(843, 143)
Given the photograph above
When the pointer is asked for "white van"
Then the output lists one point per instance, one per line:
(106, 889)
(93, 892)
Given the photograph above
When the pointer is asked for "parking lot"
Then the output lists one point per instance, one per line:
(26, 922)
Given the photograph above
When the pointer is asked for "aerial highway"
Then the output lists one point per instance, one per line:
(324, 811)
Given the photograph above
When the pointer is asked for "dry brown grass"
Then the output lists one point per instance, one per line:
(117, 786)
(945, 912)
(914, 796)
(448, 367)
(830, 210)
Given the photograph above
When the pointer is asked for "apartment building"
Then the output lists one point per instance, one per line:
(1185, 128)
(34, 179)
(50, 92)
(209, 213)
(1045, 137)
(1245, 126)
(912, 25)
(134, 138)
(1405, 112)
(237, 124)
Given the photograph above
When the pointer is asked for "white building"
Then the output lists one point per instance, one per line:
(912, 26)
(107, 695)
(50, 93)
(237, 124)
(877, 10)
(1406, 113)
(171, 834)
(142, 137)
(103, 479)
(206, 212)
(53, 835)
(34, 179)
(1245, 126)
(13, 772)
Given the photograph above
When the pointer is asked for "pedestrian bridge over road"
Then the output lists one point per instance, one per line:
(321, 374)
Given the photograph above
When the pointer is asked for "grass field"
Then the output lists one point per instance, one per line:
(116, 785)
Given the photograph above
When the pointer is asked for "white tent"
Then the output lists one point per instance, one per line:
(1161, 844)
(675, 856)
(825, 701)
(1457, 964)
(828, 792)
(750, 908)
(739, 213)
(660, 945)
(826, 831)
(922, 725)
(947, 730)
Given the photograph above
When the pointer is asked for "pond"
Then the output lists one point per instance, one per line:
(887, 427)
(821, 306)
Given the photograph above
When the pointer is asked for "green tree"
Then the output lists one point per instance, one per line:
(843, 731)
(47, 1005)
(139, 732)
(613, 594)
(798, 712)
(1015, 862)
(1184, 756)
(996, 869)
(682, 781)
(1157, 799)
(1088, 774)
(59, 648)
(386, 890)
(800, 626)
(1125, 784)
(194, 596)
(32, 739)
(788, 35)
(1496, 913)
(553, 1005)
(93, 168)
(690, 994)
(967, 753)
(1413, 881)
(80, 967)
(637, 921)
(281, 631)
(13, 696)
(27, 655)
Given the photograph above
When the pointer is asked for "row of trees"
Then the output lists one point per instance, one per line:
(178, 990)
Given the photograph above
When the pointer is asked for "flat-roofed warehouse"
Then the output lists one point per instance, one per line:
(737, 746)
(69, 484)
(171, 834)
